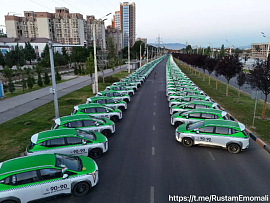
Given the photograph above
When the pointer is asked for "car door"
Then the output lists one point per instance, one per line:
(222, 136)
(189, 107)
(205, 136)
(53, 182)
(76, 147)
(26, 186)
(91, 111)
(57, 145)
(193, 117)
(91, 126)
(101, 112)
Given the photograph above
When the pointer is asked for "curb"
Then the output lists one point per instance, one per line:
(260, 142)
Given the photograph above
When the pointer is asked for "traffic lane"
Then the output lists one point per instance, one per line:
(203, 170)
(124, 169)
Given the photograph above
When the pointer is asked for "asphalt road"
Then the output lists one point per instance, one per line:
(145, 164)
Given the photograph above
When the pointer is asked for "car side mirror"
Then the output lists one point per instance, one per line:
(187, 116)
(115, 102)
(65, 176)
(108, 111)
(97, 124)
(197, 131)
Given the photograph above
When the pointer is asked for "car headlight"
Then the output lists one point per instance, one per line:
(95, 175)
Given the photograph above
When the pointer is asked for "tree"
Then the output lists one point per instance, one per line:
(30, 83)
(260, 78)
(7, 72)
(238, 51)
(241, 79)
(111, 49)
(135, 50)
(222, 51)
(58, 76)
(229, 67)
(90, 66)
(24, 84)
(18, 55)
(11, 87)
(76, 71)
(2, 59)
(208, 51)
(29, 52)
(40, 82)
(189, 49)
(210, 64)
(112, 62)
(65, 55)
(46, 78)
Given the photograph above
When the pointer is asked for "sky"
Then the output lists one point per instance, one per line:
(196, 22)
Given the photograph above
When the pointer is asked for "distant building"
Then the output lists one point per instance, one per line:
(259, 49)
(116, 36)
(142, 39)
(128, 22)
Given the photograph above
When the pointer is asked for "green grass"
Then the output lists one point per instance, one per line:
(20, 91)
(242, 111)
(16, 133)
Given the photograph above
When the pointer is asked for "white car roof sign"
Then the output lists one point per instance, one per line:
(34, 138)
(57, 121)
(242, 126)
(76, 108)
(224, 113)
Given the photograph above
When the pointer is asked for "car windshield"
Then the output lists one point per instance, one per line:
(71, 162)
(110, 108)
(195, 125)
(87, 135)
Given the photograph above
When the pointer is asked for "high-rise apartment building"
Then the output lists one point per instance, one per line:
(128, 22)
(116, 36)
(61, 26)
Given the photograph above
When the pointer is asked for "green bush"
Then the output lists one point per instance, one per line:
(108, 79)
(46, 79)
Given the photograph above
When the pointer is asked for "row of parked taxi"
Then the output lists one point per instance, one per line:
(197, 118)
(59, 160)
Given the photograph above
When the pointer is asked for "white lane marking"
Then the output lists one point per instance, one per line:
(154, 127)
(155, 96)
(154, 113)
(152, 193)
(212, 157)
(155, 91)
(154, 103)
(153, 151)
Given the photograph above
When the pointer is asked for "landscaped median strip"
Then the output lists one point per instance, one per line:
(259, 141)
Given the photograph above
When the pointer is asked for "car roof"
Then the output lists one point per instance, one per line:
(194, 96)
(98, 98)
(224, 123)
(41, 136)
(202, 102)
(205, 110)
(23, 163)
(81, 106)
(70, 118)
(107, 91)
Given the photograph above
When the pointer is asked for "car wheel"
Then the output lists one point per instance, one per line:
(139, 85)
(126, 100)
(134, 89)
(115, 119)
(107, 133)
(130, 94)
(188, 142)
(122, 108)
(95, 153)
(178, 123)
(234, 148)
(81, 189)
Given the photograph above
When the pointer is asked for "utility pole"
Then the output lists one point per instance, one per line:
(95, 57)
(158, 42)
(128, 54)
(146, 54)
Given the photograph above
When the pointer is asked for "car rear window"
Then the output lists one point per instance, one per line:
(71, 162)
(195, 125)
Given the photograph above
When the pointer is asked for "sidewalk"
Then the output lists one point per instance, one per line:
(13, 107)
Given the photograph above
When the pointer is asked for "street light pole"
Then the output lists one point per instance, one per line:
(53, 81)
(128, 54)
(95, 57)
(146, 54)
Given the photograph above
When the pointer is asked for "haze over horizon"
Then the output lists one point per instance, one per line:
(194, 22)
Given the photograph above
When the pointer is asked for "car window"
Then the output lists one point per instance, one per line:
(100, 110)
(90, 110)
(50, 173)
(190, 106)
(102, 101)
(56, 142)
(88, 123)
(74, 140)
(207, 116)
(186, 99)
(116, 94)
(207, 129)
(222, 130)
(201, 106)
(110, 101)
(75, 124)
(194, 115)
(24, 178)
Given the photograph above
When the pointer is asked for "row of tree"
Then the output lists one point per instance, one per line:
(229, 67)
